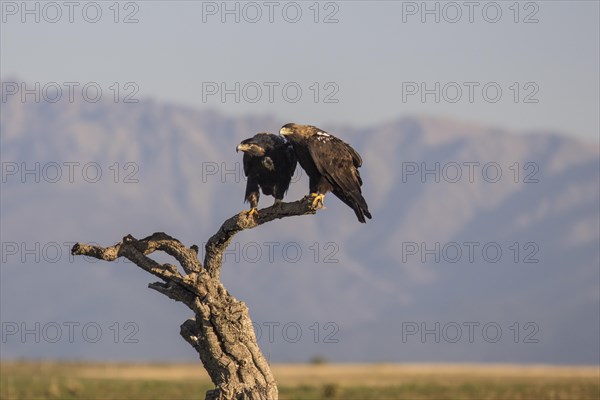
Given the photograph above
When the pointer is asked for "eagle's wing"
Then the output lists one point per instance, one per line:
(357, 161)
(290, 155)
(247, 164)
(337, 161)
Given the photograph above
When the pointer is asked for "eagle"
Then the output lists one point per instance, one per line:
(331, 165)
(269, 164)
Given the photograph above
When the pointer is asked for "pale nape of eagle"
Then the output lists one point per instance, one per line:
(269, 163)
(331, 165)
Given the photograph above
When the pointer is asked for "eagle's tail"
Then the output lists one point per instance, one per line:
(357, 202)
(360, 207)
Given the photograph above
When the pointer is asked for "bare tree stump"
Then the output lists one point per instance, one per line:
(221, 330)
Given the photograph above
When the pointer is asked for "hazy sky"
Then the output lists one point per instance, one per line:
(374, 58)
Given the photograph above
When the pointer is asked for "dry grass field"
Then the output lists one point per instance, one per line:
(74, 380)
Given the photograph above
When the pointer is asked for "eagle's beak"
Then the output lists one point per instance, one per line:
(285, 131)
(243, 147)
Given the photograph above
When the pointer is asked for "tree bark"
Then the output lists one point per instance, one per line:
(221, 330)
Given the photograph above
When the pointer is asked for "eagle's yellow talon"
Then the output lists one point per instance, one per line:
(318, 200)
(252, 212)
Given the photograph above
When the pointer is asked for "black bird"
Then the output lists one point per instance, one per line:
(269, 163)
(331, 165)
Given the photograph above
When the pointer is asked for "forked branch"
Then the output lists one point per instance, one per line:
(221, 330)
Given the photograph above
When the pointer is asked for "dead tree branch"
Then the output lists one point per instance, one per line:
(217, 244)
(221, 330)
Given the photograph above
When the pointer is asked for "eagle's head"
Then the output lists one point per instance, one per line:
(296, 132)
(260, 144)
(288, 129)
(251, 147)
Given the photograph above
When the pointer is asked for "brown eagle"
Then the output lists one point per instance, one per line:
(331, 165)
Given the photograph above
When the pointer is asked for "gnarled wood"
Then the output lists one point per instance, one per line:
(221, 330)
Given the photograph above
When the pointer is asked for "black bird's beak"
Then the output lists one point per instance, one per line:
(242, 147)
(251, 148)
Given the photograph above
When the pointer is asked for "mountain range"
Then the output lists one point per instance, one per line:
(484, 243)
